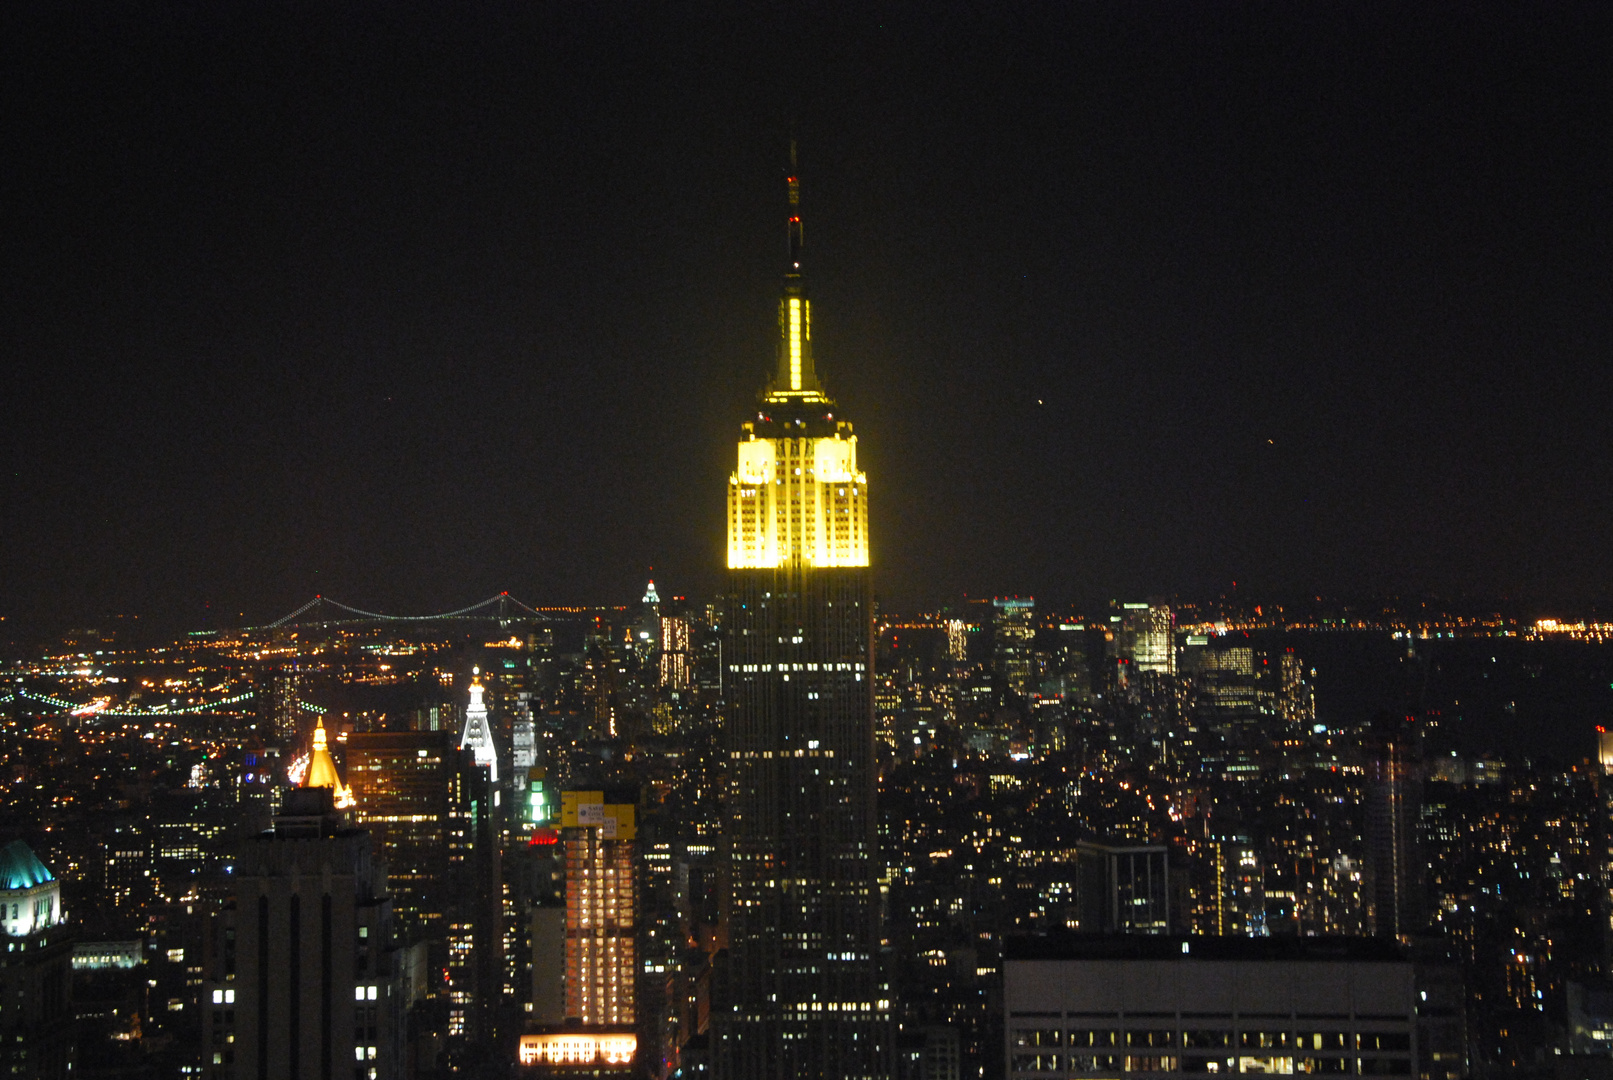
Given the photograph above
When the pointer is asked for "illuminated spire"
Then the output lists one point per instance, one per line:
(796, 376)
(477, 734)
(322, 769)
(794, 228)
(797, 496)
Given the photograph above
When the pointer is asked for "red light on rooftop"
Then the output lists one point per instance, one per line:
(544, 838)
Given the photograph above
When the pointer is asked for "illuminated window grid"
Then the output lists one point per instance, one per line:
(601, 953)
(797, 499)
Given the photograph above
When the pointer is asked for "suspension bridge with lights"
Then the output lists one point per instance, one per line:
(323, 611)
(320, 612)
(102, 707)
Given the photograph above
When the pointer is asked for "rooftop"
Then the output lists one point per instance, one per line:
(20, 868)
(1178, 947)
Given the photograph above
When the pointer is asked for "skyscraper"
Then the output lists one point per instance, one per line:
(598, 943)
(1604, 836)
(429, 805)
(315, 990)
(1144, 638)
(601, 902)
(36, 1017)
(413, 790)
(800, 994)
(1393, 801)
(1014, 641)
(478, 734)
(675, 666)
(957, 641)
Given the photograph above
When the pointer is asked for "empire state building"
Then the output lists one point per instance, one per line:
(801, 994)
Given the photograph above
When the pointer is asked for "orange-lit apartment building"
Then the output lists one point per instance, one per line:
(600, 939)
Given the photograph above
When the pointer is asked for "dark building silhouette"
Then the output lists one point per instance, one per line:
(1393, 751)
(799, 993)
(1108, 1005)
(431, 808)
(1125, 890)
(310, 988)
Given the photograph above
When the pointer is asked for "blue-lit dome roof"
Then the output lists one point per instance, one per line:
(20, 868)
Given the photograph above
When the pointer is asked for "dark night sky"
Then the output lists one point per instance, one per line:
(411, 304)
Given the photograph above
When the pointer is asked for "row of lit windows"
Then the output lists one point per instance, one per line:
(809, 481)
(1098, 1038)
(840, 666)
(1112, 1065)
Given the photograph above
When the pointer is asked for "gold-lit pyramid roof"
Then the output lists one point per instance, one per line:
(322, 769)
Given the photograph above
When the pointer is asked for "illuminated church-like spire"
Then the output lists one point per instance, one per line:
(322, 769)
(478, 734)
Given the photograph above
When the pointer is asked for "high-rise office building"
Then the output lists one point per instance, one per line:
(800, 992)
(322, 770)
(282, 699)
(1393, 804)
(601, 905)
(431, 809)
(411, 788)
(1145, 636)
(36, 1018)
(676, 666)
(595, 941)
(313, 988)
(1014, 641)
(957, 641)
(1604, 838)
(476, 936)
(523, 742)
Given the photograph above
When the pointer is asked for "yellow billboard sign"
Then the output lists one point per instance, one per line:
(588, 809)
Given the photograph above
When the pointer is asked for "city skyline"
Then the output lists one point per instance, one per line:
(1163, 637)
(1311, 301)
(1200, 786)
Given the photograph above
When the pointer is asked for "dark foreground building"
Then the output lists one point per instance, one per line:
(1090, 1006)
(800, 993)
(312, 989)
